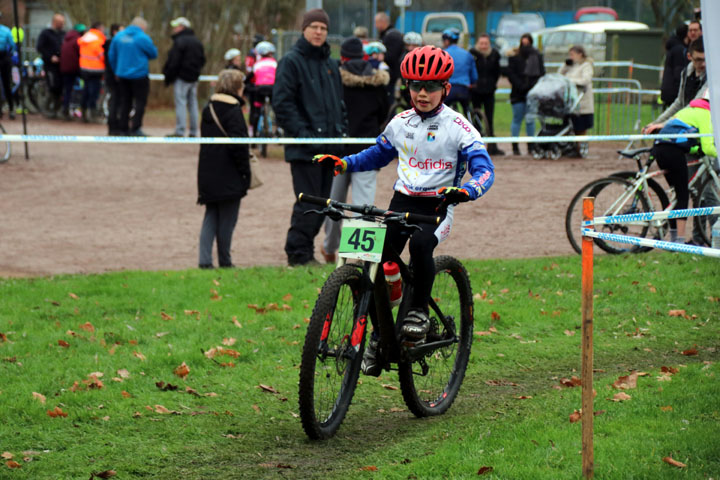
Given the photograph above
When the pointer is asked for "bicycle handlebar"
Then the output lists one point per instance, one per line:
(370, 210)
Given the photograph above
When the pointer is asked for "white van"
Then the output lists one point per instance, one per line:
(554, 43)
(435, 23)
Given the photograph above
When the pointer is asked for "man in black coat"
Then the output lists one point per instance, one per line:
(49, 44)
(307, 99)
(182, 69)
(487, 61)
(395, 46)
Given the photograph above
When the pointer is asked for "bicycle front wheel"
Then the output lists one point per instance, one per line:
(708, 196)
(330, 365)
(431, 384)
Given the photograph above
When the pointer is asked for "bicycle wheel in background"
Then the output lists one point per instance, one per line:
(5, 148)
(431, 384)
(39, 94)
(708, 196)
(395, 108)
(266, 131)
(330, 365)
(479, 121)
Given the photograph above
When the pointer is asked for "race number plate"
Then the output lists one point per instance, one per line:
(362, 240)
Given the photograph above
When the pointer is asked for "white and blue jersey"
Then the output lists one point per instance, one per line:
(432, 153)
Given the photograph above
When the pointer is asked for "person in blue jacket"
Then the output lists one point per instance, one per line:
(130, 52)
(465, 75)
(7, 48)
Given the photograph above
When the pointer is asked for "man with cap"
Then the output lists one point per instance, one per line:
(130, 52)
(308, 102)
(182, 69)
(366, 101)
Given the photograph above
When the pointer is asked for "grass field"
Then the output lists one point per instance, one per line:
(93, 377)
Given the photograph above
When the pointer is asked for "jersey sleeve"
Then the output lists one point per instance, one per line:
(472, 150)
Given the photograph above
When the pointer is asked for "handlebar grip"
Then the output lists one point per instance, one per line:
(323, 202)
(417, 218)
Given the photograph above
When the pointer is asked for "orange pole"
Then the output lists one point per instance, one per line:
(588, 461)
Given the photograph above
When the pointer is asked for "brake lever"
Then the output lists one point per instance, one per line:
(329, 211)
(402, 222)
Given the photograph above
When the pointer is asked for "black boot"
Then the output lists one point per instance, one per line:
(516, 149)
(531, 148)
(494, 150)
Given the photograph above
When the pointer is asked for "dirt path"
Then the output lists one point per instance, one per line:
(82, 208)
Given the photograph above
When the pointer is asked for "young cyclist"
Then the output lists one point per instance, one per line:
(434, 146)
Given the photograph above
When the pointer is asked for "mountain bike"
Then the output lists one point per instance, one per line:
(629, 192)
(266, 125)
(430, 371)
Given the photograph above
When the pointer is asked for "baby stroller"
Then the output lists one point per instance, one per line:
(552, 101)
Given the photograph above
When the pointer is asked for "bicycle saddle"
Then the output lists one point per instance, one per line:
(633, 153)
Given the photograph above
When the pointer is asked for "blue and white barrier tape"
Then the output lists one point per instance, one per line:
(315, 141)
(644, 217)
(644, 242)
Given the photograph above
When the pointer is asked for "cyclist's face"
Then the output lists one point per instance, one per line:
(316, 33)
(427, 101)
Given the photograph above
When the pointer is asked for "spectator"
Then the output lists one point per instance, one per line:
(7, 48)
(375, 53)
(263, 79)
(578, 69)
(525, 67)
(70, 66)
(223, 170)
(465, 74)
(182, 69)
(307, 99)
(366, 101)
(92, 67)
(393, 41)
(692, 81)
(487, 63)
(130, 52)
(675, 62)
(49, 44)
(111, 84)
(362, 33)
(694, 31)
(233, 59)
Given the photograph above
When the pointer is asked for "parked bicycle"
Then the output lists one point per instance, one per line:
(629, 192)
(430, 372)
(266, 126)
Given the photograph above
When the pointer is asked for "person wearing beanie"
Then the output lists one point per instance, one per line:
(366, 102)
(308, 102)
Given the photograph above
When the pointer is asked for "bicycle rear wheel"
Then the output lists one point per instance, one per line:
(479, 121)
(619, 197)
(708, 196)
(431, 384)
(330, 365)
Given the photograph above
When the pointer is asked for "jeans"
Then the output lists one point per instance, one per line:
(185, 99)
(219, 223)
(519, 110)
(91, 92)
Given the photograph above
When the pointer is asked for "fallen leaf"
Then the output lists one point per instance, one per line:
(191, 312)
(105, 474)
(125, 394)
(495, 316)
(13, 464)
(63, 343)
(571, 382)
(389, 387)
(523, 397)
(237, 324)
(287, 297)
(599, 412)
(690, 352)
(6, 455)
(182, 370)
(626, 382)
(139, 355)
(670, 370)
(267, 388)
(256, 408)
(164, 411)
(500, 383)
(165, 316)
(569, 333)
(620, 397)
(87, 326)
(493, 329)
(73, 296)
(483, 470)
(56, 412)
(674, 463)
(39, 396)
(676, 313)
(369, 468)
(575, 416)
(666, 409)
(229, 342)
(123, 373)
(483, 334)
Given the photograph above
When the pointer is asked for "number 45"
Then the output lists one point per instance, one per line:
(366, 244)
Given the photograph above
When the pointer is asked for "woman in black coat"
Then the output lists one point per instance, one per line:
(223, 170)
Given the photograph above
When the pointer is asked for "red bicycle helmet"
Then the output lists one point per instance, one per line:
(427, 63)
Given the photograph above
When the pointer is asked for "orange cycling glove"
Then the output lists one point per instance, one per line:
(454, 194)
(340, 164)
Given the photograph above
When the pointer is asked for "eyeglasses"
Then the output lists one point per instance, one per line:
(430, 86)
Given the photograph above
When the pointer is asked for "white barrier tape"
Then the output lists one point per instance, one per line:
(645, 217)
(323, 141)
(603, 90)
(644, 242)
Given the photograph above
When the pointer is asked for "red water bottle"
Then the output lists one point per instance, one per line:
(394, 282)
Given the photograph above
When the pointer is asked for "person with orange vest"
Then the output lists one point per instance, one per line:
(92, 67)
